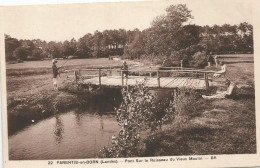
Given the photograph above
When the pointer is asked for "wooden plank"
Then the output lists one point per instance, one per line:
(162, 81)
(201, 84)
(196, 83)
(172, 81)
(180, 84)
(174, 84)
(152, 83)
(183, 84)
(133, 81)
(177, 83)
(105, 80)
(191, 82)
(165, 81)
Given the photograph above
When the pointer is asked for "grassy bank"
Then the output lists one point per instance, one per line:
(30, 94)
(31, 108)
(224, 126)
(44, 67)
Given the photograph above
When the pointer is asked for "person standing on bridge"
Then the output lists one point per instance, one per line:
(55, 70)
(209, 59)
(125, 69)
(216, 60)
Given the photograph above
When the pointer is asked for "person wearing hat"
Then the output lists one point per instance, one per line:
(55, 70)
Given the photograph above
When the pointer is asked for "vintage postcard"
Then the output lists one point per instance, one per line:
(131, 84)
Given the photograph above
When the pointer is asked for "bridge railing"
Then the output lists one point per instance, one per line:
(78, 73)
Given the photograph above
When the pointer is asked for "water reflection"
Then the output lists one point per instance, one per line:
(77, 134)
(101, 122)
(58, 129)
(78, 118)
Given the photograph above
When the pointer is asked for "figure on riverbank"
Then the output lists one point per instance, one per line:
(223, 94)
(55, 70)
(222, 71)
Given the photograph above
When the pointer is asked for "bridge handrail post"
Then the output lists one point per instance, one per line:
(76, 73)
(158, 78)
(110, 72)
(206, 80)
(99, 76)
(122, 78)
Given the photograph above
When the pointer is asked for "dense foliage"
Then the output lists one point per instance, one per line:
(140, 112)
(137, 112)
(169, 36)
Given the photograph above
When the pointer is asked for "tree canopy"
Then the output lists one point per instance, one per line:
(169, 36)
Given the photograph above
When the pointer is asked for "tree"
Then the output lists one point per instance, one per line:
(37, 54)
(21, 53)
(165, 29)
(97, 38)
(10, 45)
(85, 46)
(187, 36)
(136, 48)
(69, 48)
(54, 49)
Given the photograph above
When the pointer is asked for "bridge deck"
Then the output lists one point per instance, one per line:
(165, 82)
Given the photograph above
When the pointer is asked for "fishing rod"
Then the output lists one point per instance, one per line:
(68, 59)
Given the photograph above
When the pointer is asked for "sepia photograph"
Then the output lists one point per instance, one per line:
(152, 79)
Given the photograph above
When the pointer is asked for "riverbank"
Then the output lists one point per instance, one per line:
(30, 94)
(223, 126)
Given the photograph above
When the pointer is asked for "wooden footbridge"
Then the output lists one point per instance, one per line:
(167, 77)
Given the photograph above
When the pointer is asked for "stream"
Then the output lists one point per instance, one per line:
(75, 134)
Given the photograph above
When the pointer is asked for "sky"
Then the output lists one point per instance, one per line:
(67, 21)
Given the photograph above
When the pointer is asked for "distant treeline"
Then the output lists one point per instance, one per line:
(169, 36)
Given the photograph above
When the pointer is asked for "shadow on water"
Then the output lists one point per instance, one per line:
(58, 129)
(75, 134)
(104, 102)
(110, 98)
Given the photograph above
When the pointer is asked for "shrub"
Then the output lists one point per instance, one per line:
(199, 60)
(182, 108)
(185, 105)
(137, 112)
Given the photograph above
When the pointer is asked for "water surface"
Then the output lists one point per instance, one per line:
(71, 135)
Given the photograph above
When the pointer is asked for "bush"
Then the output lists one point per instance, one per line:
(183, 108)
(199, 60)
(138, 112)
